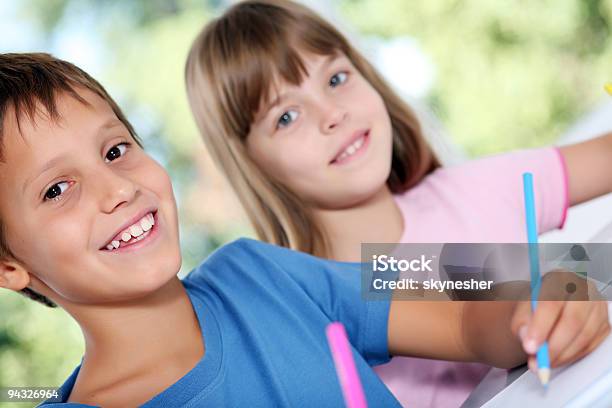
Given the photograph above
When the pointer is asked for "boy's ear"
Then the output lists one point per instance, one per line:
(13, 276)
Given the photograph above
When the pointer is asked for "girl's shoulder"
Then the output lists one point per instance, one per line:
(494, 172)
(489, 189)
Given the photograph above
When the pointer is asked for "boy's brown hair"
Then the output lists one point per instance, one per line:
(29, 84)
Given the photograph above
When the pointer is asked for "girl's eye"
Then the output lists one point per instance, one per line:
(286, 119)
(56, 190)
(338, 79)
(116, 151)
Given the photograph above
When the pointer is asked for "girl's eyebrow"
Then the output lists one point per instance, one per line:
(275, 102)
(329, 59)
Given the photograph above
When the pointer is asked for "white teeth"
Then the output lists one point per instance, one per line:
(136, 231)
(145, 224)
(349, 151)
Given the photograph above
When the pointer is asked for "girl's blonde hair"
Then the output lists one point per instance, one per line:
(231, 70)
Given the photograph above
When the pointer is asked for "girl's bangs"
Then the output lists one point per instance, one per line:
(265, 55)
(284, 67)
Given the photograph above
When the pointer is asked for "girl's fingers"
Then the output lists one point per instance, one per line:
(603, 334)
(532, 364)
(520, 319)
(590, 331)
(579, 325)
(541, 325)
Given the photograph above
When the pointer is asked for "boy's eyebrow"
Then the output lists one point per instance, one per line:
(109, 124)
(56, 160)
(50, 164)
(276, 101)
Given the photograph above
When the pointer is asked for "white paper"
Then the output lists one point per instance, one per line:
(586, 383)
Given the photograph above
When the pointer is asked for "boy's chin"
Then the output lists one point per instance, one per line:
(140, 288)
(128, 298)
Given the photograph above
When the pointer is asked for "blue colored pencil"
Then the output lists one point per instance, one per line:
(534, 264)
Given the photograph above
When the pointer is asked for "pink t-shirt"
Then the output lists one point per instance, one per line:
(479, 201)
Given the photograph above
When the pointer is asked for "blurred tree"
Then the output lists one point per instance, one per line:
(509, 74)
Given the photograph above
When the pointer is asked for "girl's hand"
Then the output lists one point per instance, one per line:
(573, 328)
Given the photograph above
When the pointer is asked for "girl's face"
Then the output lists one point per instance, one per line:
(328, 140)
(72, 189)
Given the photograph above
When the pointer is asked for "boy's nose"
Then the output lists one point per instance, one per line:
(115, 190)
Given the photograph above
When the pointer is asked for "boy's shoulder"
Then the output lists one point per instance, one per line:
(242, 246)
(249, 251)
(239, 256)
(247, 258)
(253, 251)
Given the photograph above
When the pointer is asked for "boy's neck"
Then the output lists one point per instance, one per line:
(377, 219)
(130, 342)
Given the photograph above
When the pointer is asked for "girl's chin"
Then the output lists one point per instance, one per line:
(347, 199)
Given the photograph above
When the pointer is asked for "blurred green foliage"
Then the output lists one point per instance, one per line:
(509, 75)
(39, 346)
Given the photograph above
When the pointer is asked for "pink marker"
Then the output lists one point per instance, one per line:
(345, 366)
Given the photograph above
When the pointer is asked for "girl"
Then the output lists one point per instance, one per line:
(324, 156)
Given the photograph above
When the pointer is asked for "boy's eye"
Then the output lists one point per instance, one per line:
(338, 79)
(286, 118)
(116, 151)
(56, 190)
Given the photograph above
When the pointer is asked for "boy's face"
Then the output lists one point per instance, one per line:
(71, 188)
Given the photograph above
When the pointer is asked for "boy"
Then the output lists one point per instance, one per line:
(89, 222)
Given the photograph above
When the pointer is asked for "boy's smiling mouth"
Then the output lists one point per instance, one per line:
(136, 232)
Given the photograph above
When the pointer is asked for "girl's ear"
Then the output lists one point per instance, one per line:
(13, 276)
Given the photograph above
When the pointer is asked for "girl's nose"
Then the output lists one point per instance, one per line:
(115, 190)
(333, 117)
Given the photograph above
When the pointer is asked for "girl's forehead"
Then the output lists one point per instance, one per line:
(247, 81)
(309, 63)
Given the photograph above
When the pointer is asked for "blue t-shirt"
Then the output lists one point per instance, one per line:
(263, 310)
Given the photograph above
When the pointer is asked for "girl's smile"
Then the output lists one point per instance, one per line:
(332, 143)
(352, 148)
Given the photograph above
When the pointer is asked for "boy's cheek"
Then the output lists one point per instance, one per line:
(157, 176)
